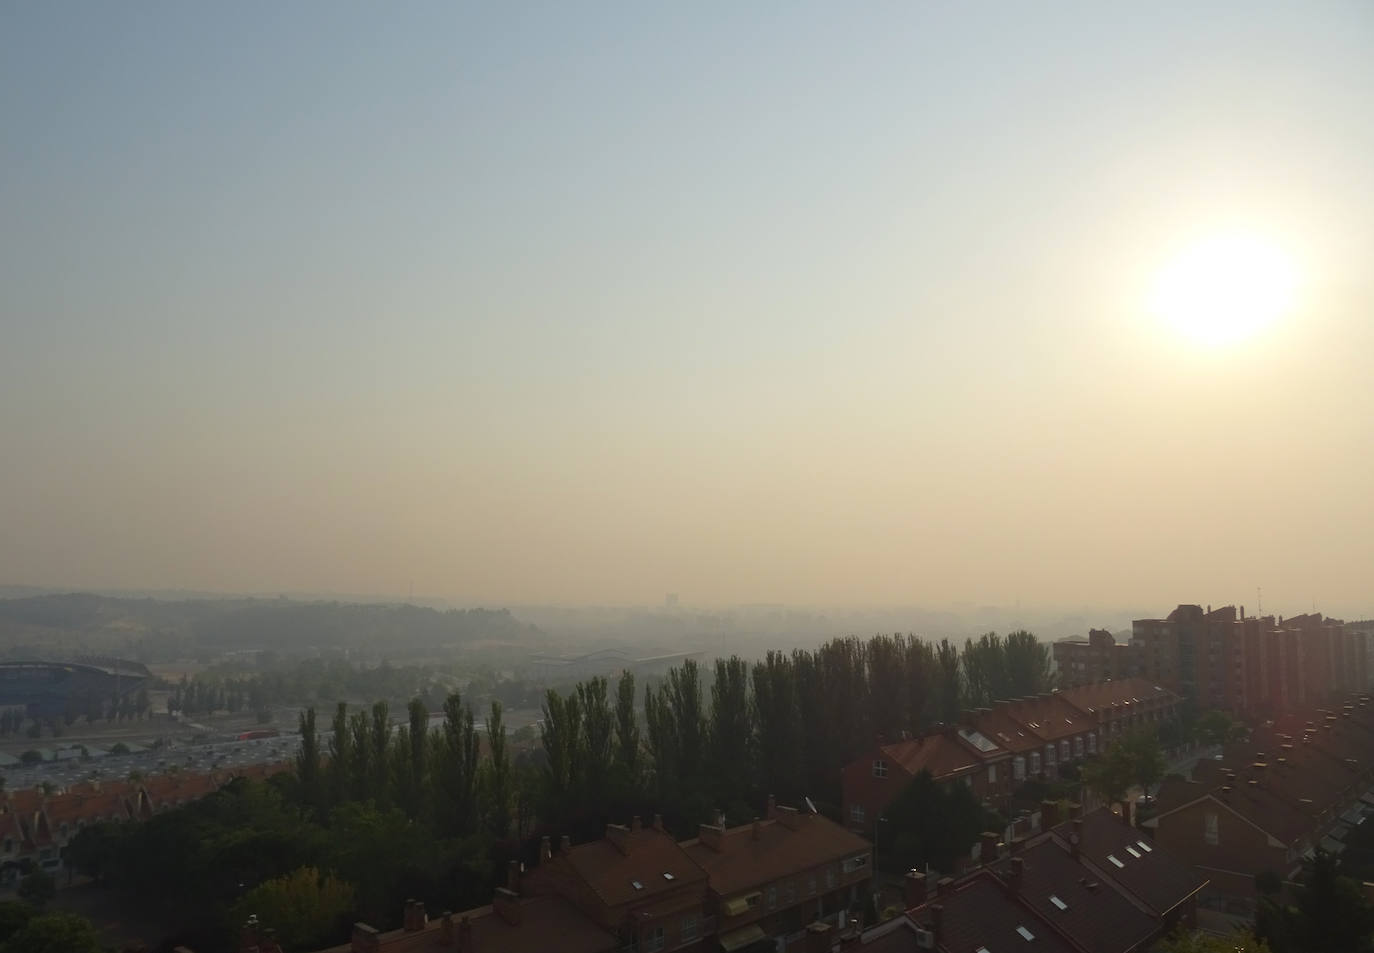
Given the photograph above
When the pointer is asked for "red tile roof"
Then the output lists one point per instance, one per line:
(745, 862)
(1153, 876)
(1126, 692)
(978, 913)
(612, 874)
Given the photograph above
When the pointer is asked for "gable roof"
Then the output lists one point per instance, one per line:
(611, 873)
(977, 913)
(1159, 880)
(1096, 917)
(1124, 692)
(747, 861)
(938, 752)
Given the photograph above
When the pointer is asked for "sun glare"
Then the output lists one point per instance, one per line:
(1226, 289)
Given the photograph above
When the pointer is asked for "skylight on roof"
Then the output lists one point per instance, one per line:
(1133, 852)
(1144, 846)
(668, 876)
(1058, 903)
(1025, 934)
(636, 884)
(1112, 858)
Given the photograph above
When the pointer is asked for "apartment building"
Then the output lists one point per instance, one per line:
(758, 886)
(1097, 658)
(1245, 664)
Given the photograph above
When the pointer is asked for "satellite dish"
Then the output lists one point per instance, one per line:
(810, 806)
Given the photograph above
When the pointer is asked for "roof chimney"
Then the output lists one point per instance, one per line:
(758, 828)
(1075, 810)
(545, 852)
(413, 920)
(635, 825)
(914, 888)
(446, 928)
(1076, 837)
(937, 921)
(772, 807)
(1049, 814)
(365, 939)
(817, 938)
(789, 817)
(619, 835)
(564, 845)
(1014, 875)
(712, 836)
(506, 905)
(658, 822)
(465, 944)
(987, 847)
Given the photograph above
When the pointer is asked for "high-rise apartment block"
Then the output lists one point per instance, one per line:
(1224, 659)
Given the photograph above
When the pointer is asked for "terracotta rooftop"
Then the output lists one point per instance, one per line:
(978, 914)
(940, 753)
(1093, 913)
(1154, 877)
(745, 861)
(1126, 692)
(612, 873)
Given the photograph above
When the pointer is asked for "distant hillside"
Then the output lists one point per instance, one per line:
(153, 629)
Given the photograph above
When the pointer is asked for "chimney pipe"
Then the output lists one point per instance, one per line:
(564, 845)
(1049, 814)
(817, 938)
(987, 849)
(772, 807)
(446, 928)
(914, 888)
(465, 935)
(758, 827)
(658, 822)
(1014, 875)
(513, 876)
(1076, 837)
(506, 905)
(937, 921)
(545, 852)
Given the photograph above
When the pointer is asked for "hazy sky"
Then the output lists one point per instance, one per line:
(584, 302)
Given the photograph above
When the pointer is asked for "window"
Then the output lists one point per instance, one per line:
(1049, 756)
(856, 813)
(1133, 852)
(1018, 768)
(880, 769)
(689, 928)
(772, 898)
(830, 878)
(653, 940)
(1078, 747)
(1035, 762)
(856, 863)
(1210, 833)
(1064, 750)
(1144, 846)
(9, 845)
(1092, 743)
(1025, 934)
(789, 892)
(636, 884)
(811, 884)
(992, 774)
(1112, 858)
(1058, 903)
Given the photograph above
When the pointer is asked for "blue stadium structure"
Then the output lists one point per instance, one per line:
(47, 689)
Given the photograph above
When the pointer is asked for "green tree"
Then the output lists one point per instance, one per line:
(950, 682)
(561, 734)
(37, 888)
(626, 729)
(1027, 664)
(929, 824)
(14, 916)
(593, 756)
(308, 909)
(340, 757)
(54, 933)
(498, 774)
(731, 731)
(457, 766)
(778, 726)
(308, 762)
(1187, 941)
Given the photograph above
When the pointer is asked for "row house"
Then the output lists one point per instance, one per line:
(763, 885)
(770, 879)
(994, 750)
(1091, 885)
(1297, 784)
(1097, 658)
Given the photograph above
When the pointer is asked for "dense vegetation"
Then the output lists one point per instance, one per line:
(154, 630)
(376, 813)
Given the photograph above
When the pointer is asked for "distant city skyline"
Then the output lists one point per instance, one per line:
(774, 303)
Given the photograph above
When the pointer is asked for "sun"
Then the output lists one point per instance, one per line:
(1226, 289)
